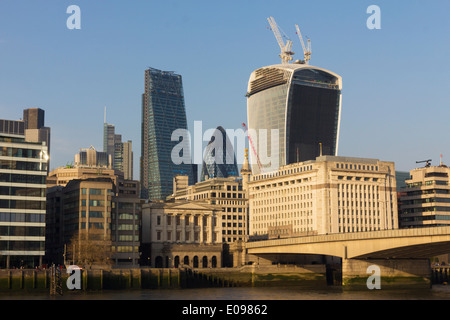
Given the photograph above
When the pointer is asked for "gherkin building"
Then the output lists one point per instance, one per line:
(219, 159)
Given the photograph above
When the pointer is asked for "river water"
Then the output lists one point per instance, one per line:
(437, 292)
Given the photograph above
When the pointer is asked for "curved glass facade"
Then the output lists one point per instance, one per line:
(219, 160)
(303, 104)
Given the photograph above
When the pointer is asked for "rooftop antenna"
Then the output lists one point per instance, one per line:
(104, 121)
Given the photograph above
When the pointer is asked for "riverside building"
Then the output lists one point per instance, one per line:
(327, 195)
(302, 104)
(95, 201)
(425, 201)
(181, 233)
(23, 171)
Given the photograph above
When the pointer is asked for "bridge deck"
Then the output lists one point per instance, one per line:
(399, 243)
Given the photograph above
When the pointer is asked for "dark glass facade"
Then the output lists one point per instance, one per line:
(163, 111)
(303, 104)
(220, 160)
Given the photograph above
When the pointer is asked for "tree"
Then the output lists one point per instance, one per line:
(89, 250)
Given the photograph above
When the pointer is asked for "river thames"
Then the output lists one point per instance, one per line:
(437, 292)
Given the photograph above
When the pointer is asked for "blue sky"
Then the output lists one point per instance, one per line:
(396, 83)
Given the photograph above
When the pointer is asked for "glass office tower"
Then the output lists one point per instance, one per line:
(301, 102)
(219, 160)
(163, 111)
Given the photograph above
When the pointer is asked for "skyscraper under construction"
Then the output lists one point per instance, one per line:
(302, 103)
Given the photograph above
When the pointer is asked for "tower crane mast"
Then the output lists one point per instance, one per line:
(306, 49)
(286, 53)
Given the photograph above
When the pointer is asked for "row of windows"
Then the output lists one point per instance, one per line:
(97, 192)
(22, 204)
(426, 200)
(22, 231)
(125, 237)
(356, 166)
(282, 173)
(125, 227)
(427, 183)
(22, 191)
(195, 238)
(234, 225)
(186, 220)
(23, 165)
(426, 218)
(22, 178)
(20, 152)
(93, 203)
(358, 229)
(22, 245)
(425, 209)
(125, 249)
(93, 225)
(351, 178)
(21, 217)
(92, 214)
(277, 186)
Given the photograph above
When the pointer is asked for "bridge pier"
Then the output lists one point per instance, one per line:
(391, 273)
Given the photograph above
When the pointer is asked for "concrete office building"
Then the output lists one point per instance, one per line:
(302, 104)
(94, 201)
(327, 195)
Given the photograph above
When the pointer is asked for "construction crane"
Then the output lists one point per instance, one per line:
(427, 161)
(253, 147)
(306, 49)
(286, 53)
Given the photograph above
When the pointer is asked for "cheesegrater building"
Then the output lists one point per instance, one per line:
(163, 111)
(301, 102)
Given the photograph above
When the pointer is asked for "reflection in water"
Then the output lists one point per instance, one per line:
(438, 292)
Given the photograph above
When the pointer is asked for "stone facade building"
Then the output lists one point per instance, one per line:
(181, 233)
(327, 195)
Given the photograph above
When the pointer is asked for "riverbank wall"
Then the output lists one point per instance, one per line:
(148, 278)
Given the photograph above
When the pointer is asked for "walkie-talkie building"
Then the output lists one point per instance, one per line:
(301, 102)
(163, 112)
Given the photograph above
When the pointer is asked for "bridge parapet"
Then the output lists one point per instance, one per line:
(400, 243)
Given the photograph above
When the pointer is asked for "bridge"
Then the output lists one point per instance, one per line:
(402, 254)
